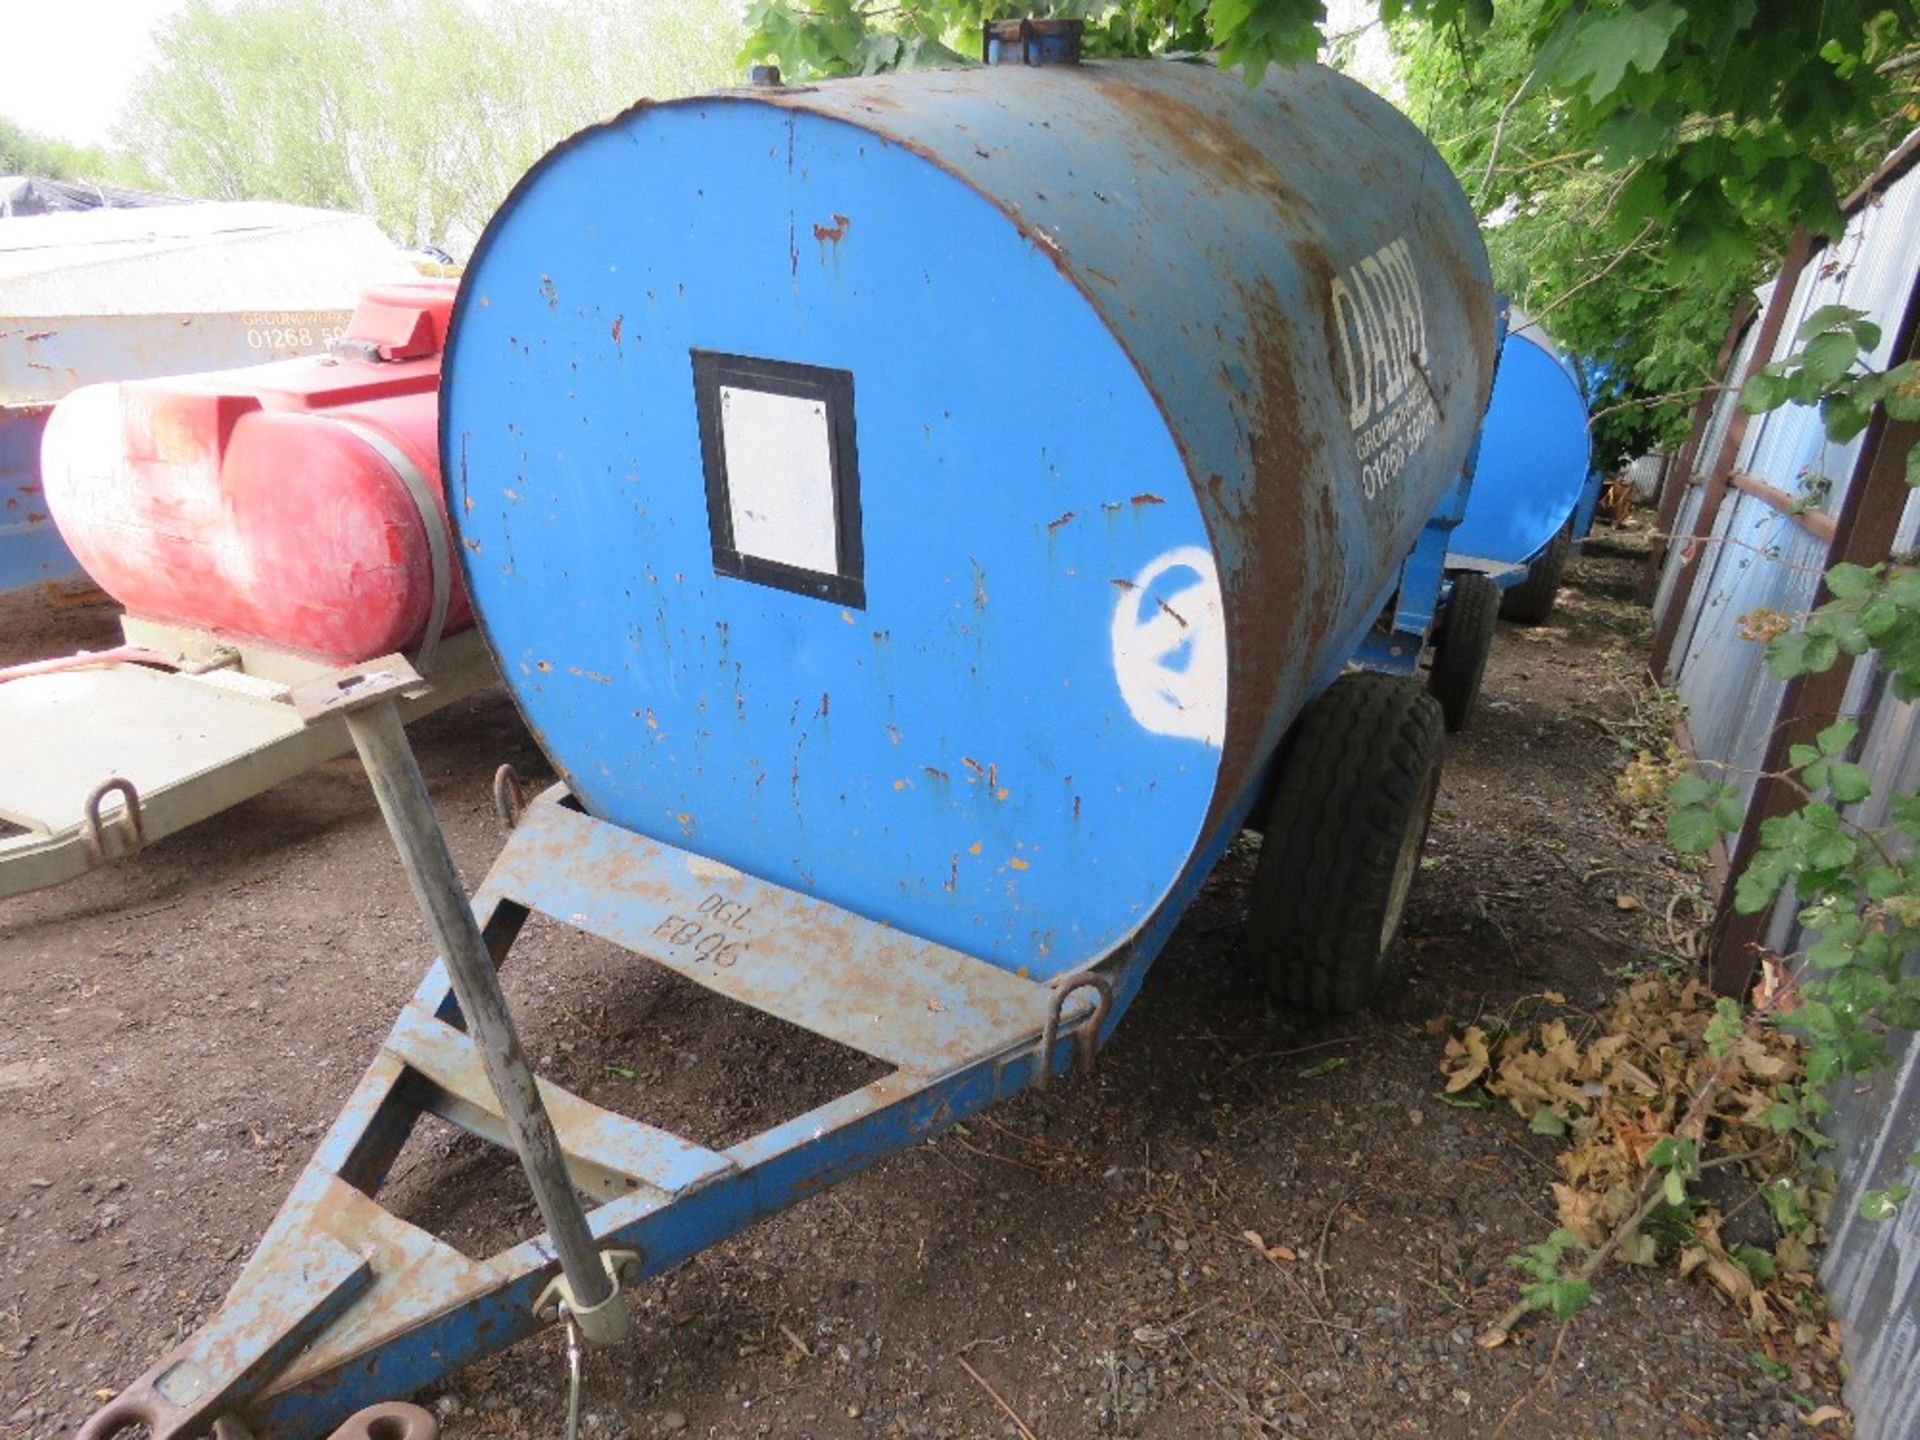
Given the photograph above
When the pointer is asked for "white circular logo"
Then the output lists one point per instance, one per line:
(1170, 647)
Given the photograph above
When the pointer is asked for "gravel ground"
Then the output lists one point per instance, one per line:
(186, 1024)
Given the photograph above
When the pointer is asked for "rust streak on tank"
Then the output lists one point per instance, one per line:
(1276, 530)
(1215, 148)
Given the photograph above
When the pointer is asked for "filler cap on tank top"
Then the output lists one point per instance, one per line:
(1030, 42)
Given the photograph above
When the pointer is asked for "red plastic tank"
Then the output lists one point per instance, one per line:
(272, 504)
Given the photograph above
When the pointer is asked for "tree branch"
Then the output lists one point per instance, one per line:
(1692, 393)
(1646, 229)
(1499, 133)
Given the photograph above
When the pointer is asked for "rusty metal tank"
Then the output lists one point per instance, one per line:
(939, 492)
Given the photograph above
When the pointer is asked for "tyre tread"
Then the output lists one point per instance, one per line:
(1466, 638)
(1359, 763)
(1532, 600)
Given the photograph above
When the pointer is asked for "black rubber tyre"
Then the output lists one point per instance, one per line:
(1342, 841)
(1460, 651)
(1531, 601)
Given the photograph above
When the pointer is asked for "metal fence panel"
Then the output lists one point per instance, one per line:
(1762, 558)
(1683, 522)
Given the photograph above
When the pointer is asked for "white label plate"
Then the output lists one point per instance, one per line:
(780, 478)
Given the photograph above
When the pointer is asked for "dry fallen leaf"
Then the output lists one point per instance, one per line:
(1272, 1252)
(1470, 1053)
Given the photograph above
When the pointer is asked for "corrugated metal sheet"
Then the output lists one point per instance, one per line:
(1726, 403)
(1760, 558)
(1683, 522)
(1644, 475)
(1871, 1269)
(1764, 561)
(1724, 406)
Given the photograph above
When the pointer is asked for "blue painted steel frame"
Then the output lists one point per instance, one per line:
(441, 1311)
(1589, 502)
(1425, 586)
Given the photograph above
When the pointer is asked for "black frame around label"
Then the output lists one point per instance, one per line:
(833, 388)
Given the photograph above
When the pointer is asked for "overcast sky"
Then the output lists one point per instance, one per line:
(69, 62)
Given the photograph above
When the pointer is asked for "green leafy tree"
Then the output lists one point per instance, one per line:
(27, 152)
(421, 113)
(1642, 165)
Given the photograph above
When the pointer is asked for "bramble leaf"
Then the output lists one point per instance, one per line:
(1692, 829)
(1827, 317)
(1849, 783)
(1883, 1204)
(1675, 1186)
(1689, 789)
(1763, 392)
(1850, 582)
(1828, 357)
(1568, 1295)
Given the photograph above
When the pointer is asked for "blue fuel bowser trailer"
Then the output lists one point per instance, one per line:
(1497, 542)
(923, 518)
(1534, 486)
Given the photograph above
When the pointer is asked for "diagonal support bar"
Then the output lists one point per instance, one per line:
(381, 741)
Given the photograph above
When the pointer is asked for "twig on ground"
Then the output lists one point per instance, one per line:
(1538, 1385)
(1320, 1250)
(1025, 1429)
(1238, 1402)
(1486, 914)
(1327, 1330)
(1297, 1050)
(1652, 1195)
(1033, 1140)
(1003, 1159)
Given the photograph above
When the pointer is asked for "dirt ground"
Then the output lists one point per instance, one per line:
(182, 1028)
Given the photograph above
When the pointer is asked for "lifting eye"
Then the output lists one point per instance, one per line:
(782, 473)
